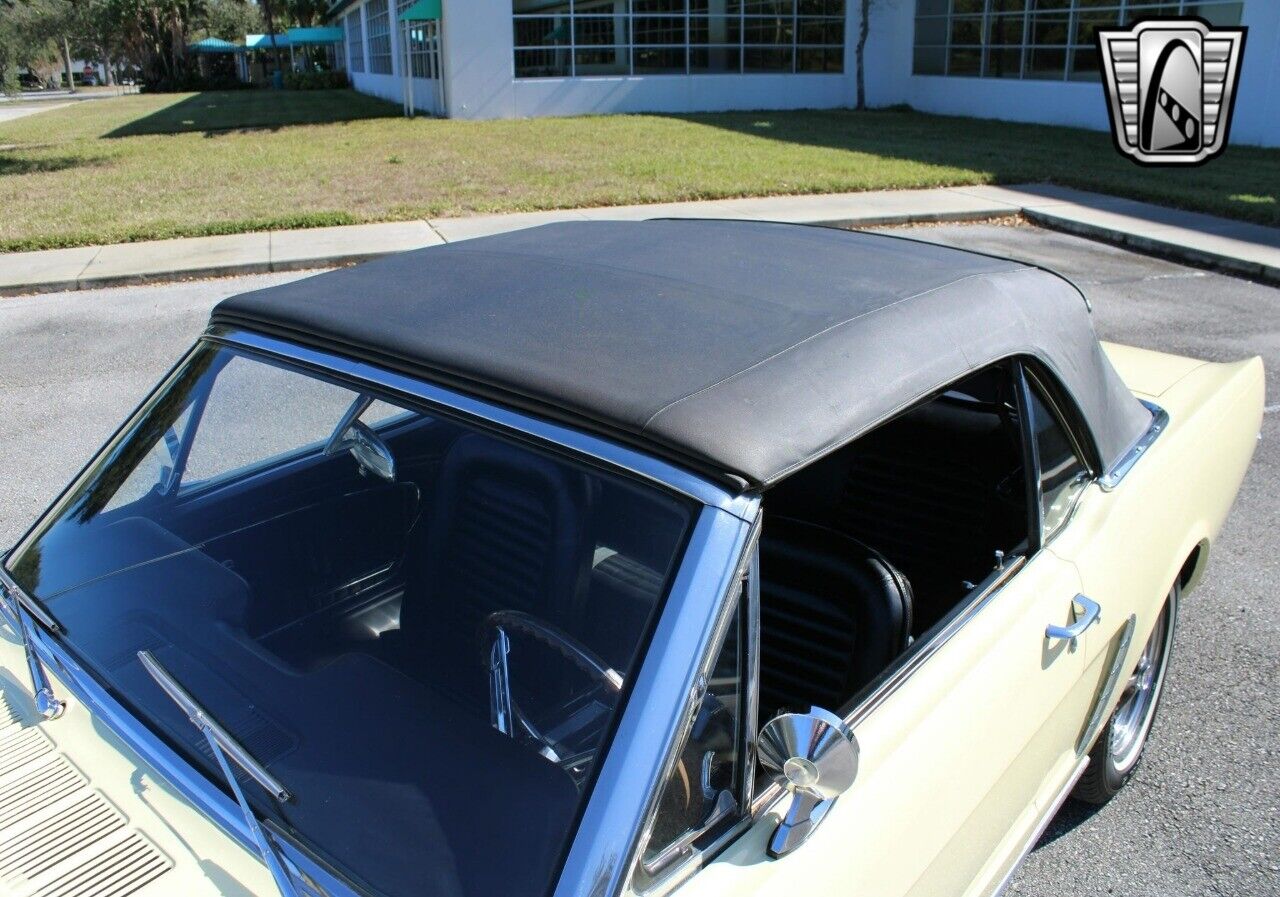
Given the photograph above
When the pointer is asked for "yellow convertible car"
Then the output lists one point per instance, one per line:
(606, 559)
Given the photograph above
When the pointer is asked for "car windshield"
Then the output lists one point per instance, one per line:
(421, 628)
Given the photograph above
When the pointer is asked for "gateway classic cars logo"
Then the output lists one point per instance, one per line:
(1170, 87)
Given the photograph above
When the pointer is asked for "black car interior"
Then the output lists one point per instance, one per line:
(332, 621)
(342, 623)
(867, 550)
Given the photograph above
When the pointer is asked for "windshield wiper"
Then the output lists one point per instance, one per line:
(16, 601)
(225, 747)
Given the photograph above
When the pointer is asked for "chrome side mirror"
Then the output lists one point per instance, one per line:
(355, 436)
(815, 757)
(370, 452)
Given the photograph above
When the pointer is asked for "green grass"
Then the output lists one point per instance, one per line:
(154, 166)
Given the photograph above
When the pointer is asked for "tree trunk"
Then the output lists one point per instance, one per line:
(269, 17)
(110, 79)
(864, 27)
(66, 63)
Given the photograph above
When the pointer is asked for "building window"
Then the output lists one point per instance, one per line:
(1036, 39)
(378, 21)
(582, 38)
(355, 42)
(422, 38)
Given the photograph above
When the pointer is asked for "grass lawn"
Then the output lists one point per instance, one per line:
(150, 166)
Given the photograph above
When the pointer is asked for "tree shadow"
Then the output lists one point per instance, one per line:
(231, 111)
(900, 147)
(10, 164)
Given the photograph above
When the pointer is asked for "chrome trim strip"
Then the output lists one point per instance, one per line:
(751, 706)
(610, 835)
(682, 858)
(909, 663)
(1098, 715)
(1051, 811)
(599, 448)
(1118, 471)
(931, 644)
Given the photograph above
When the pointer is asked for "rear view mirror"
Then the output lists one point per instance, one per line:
(814, 756)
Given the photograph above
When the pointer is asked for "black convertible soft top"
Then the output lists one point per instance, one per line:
(744, 349)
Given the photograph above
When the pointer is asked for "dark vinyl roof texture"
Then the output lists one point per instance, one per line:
(745, 349)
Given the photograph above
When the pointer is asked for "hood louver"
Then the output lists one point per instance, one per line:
(58, 836)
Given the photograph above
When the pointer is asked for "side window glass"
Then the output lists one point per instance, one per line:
(1062, 474)
(155, 468)
(705, 785)
(257, 412)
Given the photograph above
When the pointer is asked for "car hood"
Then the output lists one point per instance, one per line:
(79, 807)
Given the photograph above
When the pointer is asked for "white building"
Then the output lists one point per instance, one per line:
(1024, 60)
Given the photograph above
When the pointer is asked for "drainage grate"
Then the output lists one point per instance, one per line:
(37, 790)
(116, 872)
(49, 842)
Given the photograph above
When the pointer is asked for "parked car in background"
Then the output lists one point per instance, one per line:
(614, 558)
(28, 81)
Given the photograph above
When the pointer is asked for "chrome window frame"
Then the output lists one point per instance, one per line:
(907, 664)
(1119, 470)
(603, 843)
(1030, 383)
(1023, 370)
(681, 859)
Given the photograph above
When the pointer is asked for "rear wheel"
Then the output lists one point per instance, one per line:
(1119, 746)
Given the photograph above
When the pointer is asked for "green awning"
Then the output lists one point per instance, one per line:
(299, 37)
(215, 45)
(422, 11)
(263, 41)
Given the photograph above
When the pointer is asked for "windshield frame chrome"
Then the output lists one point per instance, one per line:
(493, 415)
(718, 533)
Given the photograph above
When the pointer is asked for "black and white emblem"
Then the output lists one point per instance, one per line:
(1170, 87)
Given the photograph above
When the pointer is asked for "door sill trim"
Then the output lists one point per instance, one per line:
(1034, 838)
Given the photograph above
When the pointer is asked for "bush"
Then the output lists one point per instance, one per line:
(316, 80)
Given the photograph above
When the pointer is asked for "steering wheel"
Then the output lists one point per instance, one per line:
(504, 713)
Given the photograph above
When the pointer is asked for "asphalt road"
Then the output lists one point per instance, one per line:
(1202, 814)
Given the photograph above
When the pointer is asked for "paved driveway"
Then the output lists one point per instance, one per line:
(1202, 815)
(10, 111)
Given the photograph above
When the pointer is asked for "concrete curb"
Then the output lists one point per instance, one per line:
(195, 273)
(1232, 247)
(1151, 245)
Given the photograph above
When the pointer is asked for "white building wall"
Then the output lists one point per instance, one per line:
(385, 86)
(480, 79)
(889, 81)
(391, 87)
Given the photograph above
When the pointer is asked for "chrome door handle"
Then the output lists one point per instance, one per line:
(1092, 613)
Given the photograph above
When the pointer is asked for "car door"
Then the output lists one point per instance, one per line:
(965, 748)
(1126, 566)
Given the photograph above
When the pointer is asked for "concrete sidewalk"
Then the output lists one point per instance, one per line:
(1231, 246)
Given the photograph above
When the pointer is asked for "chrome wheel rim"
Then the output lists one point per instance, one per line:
(1134, 713)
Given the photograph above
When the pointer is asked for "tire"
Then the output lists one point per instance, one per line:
(1119, 747)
